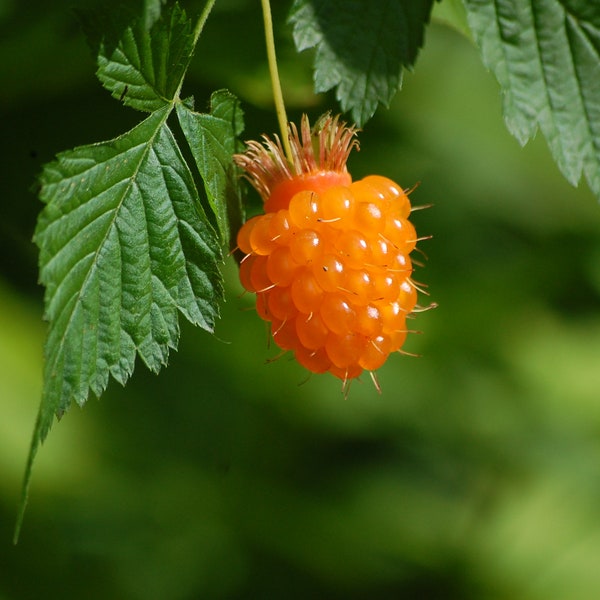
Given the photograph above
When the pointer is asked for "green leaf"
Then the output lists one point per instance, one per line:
(546, 57)
(121, 240)
(213, 139)
(141, 59)
(124, 246)
(361, 47)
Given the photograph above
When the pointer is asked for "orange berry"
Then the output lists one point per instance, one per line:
(329, 260)
(284, 334)
(280, 227)
(245, 268)
(369, 320)
(329, 272)
(385, 285)
(337, 205)
(243, 236)
(259, 280)
(281, 267)
(354, 249)
(398, 338)
(304, 209)
(368, 217)
(261, 238)
(359, 285)
(375, 352)
(391, 198)
(407, 296)
(315, 361)
(307, 294)
(346, 373)
(393, 315)
(280, 302)
(381, 251)
(337, 313)
(306, 246)
(311, 330)
(399, 263)
(343, 350)
(400, 233)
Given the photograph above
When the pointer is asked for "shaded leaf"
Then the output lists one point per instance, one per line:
(361, 47)
(213, 139)
(546, 57)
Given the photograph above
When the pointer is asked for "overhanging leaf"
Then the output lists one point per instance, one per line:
(361, 47)
(213, 139)
(546, 57)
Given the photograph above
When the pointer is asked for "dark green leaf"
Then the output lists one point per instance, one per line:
(213, 139)
(546, 57)
(361, 47)
(142, 58)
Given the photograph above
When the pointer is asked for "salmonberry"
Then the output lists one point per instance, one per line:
(329, 260)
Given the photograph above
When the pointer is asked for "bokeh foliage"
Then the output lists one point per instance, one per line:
(474, 475)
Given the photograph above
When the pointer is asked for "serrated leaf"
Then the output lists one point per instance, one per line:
(213, 139)
(361, 47)
(142, 57)
(124, 247)
(546, 57)
(122, 241)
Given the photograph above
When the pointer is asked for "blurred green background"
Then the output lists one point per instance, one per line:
(475, 475)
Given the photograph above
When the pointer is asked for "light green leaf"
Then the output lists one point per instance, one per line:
(546, 57)
(124, 246)
(361, 47)
(213, 139)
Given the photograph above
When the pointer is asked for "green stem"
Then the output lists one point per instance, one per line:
(275, 81)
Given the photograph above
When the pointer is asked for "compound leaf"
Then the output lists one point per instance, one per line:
(546, 57)
(361, 47)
